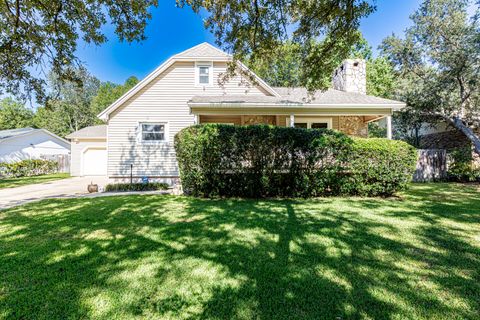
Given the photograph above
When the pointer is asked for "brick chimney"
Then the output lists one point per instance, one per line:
(351, 76)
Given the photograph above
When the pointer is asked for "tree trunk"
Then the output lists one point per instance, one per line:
(467, 131)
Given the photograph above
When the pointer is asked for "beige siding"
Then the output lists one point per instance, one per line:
(163, 100)
(335, 123)
(77, 148)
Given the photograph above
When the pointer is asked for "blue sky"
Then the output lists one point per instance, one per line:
(172, 30)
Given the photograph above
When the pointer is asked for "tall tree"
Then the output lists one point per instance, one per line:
(281, 70)
(109, 92)
(256, 29)
(70, 110)
(38, 35)
(439, 63)
(14, 114)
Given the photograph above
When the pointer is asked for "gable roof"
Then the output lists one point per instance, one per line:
(92, 132)
(300, 97)
(14, 133)
(203, 51)
(5, 134)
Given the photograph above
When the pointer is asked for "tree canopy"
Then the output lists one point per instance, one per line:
(76, 107)
(109, 92)
(438, 63)
(14, 114)
(38, 36)
(322, 31)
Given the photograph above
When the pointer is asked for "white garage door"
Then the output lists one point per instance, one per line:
(95, 162)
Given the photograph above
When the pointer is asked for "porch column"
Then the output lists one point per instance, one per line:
(292, 121)
(196, 119)
(389, 127)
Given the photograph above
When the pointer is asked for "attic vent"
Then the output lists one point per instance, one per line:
(355, 64)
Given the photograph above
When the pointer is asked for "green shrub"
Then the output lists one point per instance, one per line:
(267, 161)
(29, 167)
(379, 167)
(151, 186)
(461, 168)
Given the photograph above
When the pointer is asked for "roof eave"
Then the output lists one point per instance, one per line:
(220, 105)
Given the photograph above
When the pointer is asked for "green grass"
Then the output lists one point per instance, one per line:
(127, 257)
(22, 181)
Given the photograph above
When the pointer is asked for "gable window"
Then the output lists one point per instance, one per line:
(203, 73)
(153, 132)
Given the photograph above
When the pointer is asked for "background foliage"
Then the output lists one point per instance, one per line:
(74, 106)
(437, 62)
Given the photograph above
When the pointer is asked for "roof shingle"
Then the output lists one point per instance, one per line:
(5, 134)
(90, 132)
(299, 96)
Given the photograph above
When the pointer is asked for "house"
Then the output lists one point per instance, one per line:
(88, 151)
(191, 88)
(30, 143)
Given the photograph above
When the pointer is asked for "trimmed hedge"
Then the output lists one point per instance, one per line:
(266, 161)
(151, 186)
(27, 168)
(379, 167)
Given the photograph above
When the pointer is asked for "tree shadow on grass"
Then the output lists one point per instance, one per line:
(142, 256)
(307, 283)
(48, 260)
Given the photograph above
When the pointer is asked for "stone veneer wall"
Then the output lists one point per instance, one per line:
(353, 126)
(351, 76)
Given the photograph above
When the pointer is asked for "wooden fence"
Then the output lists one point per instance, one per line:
(431, 165)
(63, 161)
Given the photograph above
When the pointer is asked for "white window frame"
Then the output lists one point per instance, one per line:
(140, 132)
(310, 120)
(199, 64)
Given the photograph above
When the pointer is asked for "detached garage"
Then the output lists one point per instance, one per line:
(89, 151)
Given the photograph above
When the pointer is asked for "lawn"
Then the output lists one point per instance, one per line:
(167, 257)
(17, 182)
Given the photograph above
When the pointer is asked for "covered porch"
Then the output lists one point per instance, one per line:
(353, 123)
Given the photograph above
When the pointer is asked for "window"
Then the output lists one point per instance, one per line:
(312, 122)
(152, 132)
(303, 125)
(319, 125)
(203, 73)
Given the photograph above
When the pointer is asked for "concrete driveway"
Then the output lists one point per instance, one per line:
(64, 188)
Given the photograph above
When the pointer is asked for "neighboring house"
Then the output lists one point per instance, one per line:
(89, 151)
(29, 143)
(189, 88)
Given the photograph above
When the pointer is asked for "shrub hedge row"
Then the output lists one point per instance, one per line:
(151, 186)
(267, 161)
(26, 168)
